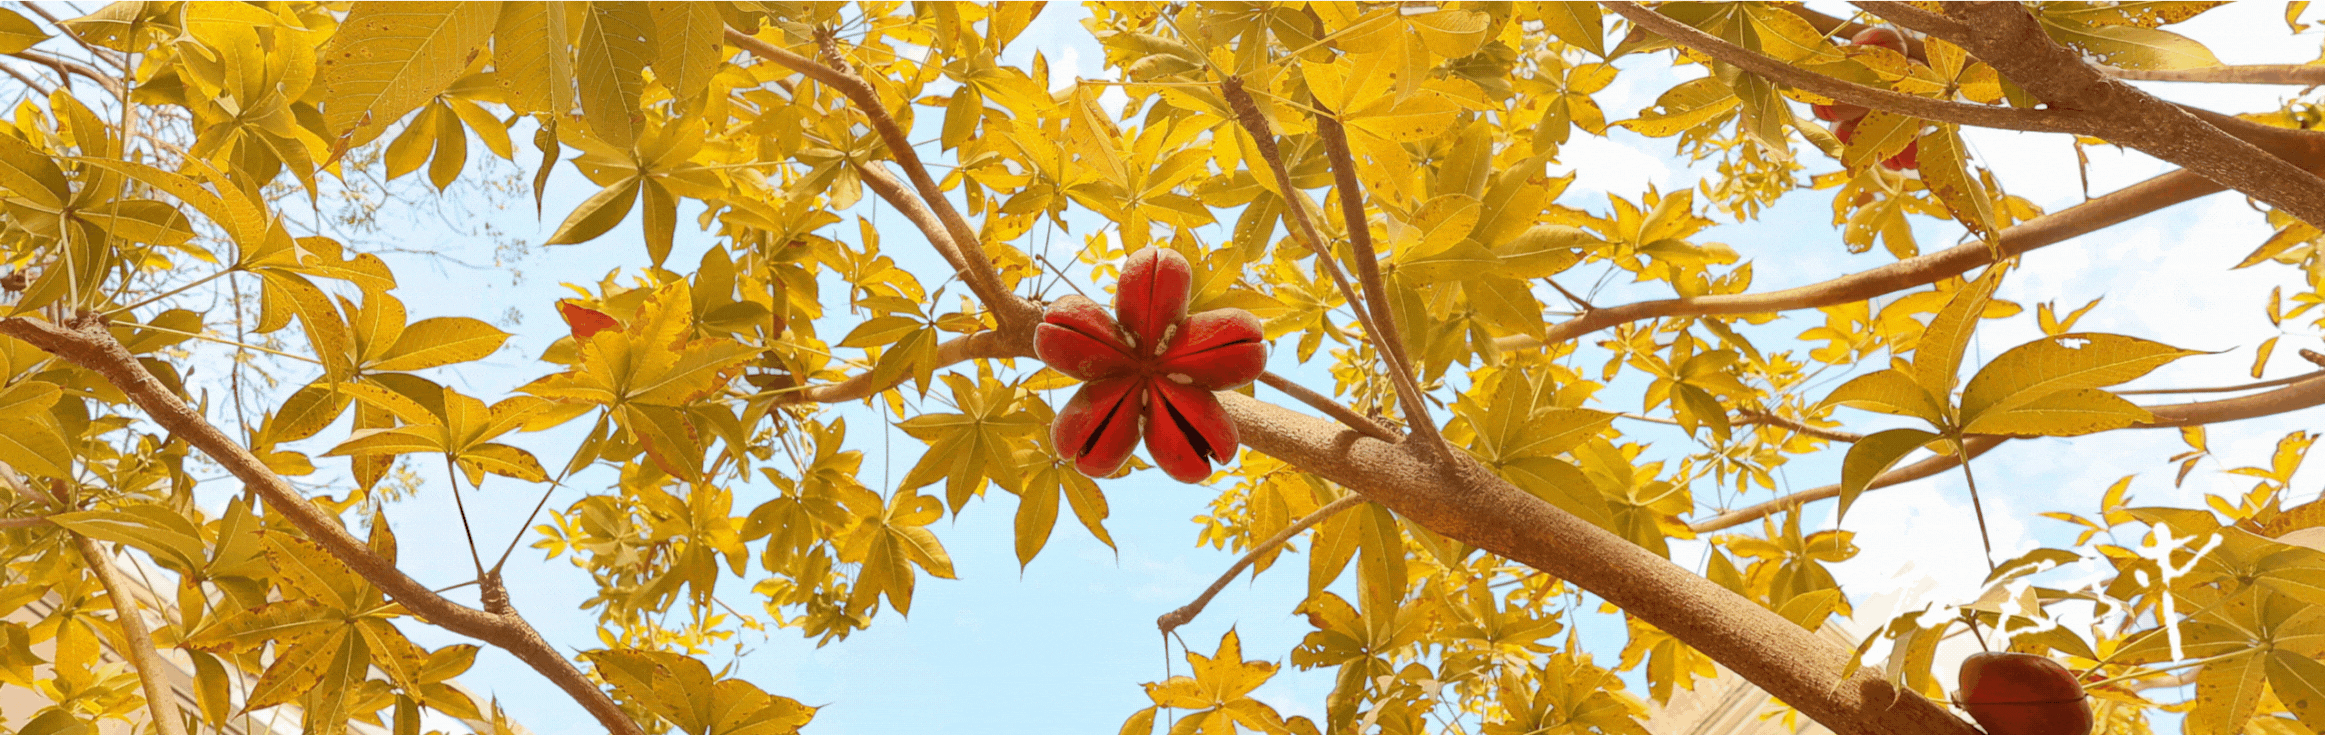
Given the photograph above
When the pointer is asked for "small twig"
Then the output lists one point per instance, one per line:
(2313, 356)
(1751, 416)
(1331, 408)
(1578, 301)
(1977, 445)
(1171, 621)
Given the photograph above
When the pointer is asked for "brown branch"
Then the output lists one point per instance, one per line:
(84, 341)
(2294, 74)
(1296, 208)
(2224, 388)
(993, 344)
(1764, 418)
(1331, 408)
(884, 184)
(159, 700)
(2005, 118)
(2107, 210)
(1171, 621)
(1009, 310)
(1455, 496)
(2306, 392)
(66, 66)
(1975, 446)
(2007, 37)
(1376, 293)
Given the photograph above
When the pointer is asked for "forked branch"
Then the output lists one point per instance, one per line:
(84, 341)
(975, 266)
(1296, 208)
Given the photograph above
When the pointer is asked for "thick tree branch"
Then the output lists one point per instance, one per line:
(160, 701)
(1376, 292)
(1321, 402)
(2007, 37)
(1009, 310)
(1984, 116)
(1171, 621)
(84, 341)
(1463, 500)
(2107, 210)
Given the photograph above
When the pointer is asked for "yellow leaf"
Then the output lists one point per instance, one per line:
(439, 341)
(388, 58)
(2058, 364)
(616, 42)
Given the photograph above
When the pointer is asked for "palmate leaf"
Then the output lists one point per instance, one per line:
(389, 58)
(682, 691)
(888, 542)
(1873, 455)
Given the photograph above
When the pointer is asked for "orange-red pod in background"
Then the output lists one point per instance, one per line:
(2023, 694)
(1882, 37)
(583, 320)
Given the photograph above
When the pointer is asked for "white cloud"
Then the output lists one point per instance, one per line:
(1604, 165)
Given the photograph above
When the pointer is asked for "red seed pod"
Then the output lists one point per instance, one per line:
(1077, 338)
(1838, 111)
(1099, 427)
(585, 321)
(2023, 694)
(1881, 37)
(1217, 349)
(1905, 159)
(1187, 430)
(1152, 295)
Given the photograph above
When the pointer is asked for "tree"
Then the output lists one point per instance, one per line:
(1369, 176)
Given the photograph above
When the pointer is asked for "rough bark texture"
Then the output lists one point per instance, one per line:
(84, 341)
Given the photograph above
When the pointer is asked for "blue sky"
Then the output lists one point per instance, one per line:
(1062, 646)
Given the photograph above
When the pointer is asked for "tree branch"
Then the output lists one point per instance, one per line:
(2294, 74)
(1296, 208)
(992, 344)
(1171, 621)
(1009, 310)
(159, 700)
(2006, 36)
(65, 66)
(1376, 293)
(2107, 210)
(1331, 408)
(2305, 392)
(1975, 446)
(1461, 499)
(2005, 118)
(84, 341)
